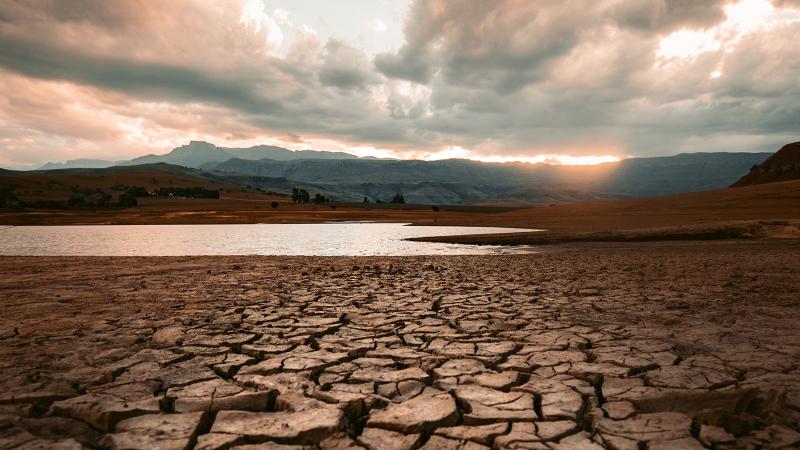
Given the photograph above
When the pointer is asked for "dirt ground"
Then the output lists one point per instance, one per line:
(628, 346)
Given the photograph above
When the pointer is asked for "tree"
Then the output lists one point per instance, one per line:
(300, 195)
(127, 200)
(435, 208)
(398, 198)
(366, 200)
(319, 198)
(274, 204)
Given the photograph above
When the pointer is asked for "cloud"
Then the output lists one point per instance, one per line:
(118, 78)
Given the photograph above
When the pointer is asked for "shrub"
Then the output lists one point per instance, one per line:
(274, 204)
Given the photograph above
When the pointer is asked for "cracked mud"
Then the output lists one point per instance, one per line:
(654, 347)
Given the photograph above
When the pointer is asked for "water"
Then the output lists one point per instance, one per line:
(328, 239)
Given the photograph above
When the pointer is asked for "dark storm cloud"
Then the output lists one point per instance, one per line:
(152, 81)
(660, 15)
(507, 76)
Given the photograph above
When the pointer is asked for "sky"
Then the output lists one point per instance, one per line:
(565, 81)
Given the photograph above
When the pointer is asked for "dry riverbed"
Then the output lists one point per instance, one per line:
(626, 346)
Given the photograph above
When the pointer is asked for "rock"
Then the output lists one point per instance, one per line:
(779, 436)
(648, 427)
(681, 377)
(522, 435)
(482, 434)
(216, 395)
(676, 444)
(555, 358)
(55, 428)
(578, 441)
(483, 405)
(442, 443)
(711, 436)
(273, 446)
(619, 410)
(104, 409)
(303, 427)
(339, 441)
(232, 363)
(380, 439)
(500, 381)
(558, 400)
(217, 441)
(168, 337)
(14, 437)
(44, 444)
(425, 412)
(161, 431)
(458, 367)
(383, 376)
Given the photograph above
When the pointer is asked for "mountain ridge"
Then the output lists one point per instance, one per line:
(784, 165)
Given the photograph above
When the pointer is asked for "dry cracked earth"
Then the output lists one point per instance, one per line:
(641, 347)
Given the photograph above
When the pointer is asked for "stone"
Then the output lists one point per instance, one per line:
(168, 337)
(500, 381)
(104, 409)
(384, 376)
(458, 367)
(578, 441)
(339, 441)
(13, 437)
(482, 434)
(442, 443)
(648, 427)
(676, 444)
(779, 436)
(483, 405)
(56, 428)
(711, 436)
(216, 395)
(380, 439)
(161, 431)
(619, 410)
(425, 412)
(301, 427)
(558, 400)
(217, 441)
(44, 444)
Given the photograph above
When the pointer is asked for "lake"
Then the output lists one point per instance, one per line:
(326, 239)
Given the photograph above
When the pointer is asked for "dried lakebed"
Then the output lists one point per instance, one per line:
(625, 347)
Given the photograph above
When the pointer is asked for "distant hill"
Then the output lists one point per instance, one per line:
(198, 153)
(784, 165)
(81, 163)
(43, 186)
(464, 181)
(346, 177)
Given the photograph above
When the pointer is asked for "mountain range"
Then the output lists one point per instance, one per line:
(197, 153)
(465, 181)
(346, 177)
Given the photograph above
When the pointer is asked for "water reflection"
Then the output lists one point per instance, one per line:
(330, 239)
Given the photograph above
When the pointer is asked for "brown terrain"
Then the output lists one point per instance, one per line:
(691, 342)
(626, 346)
(753, 211)
(782, 166)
